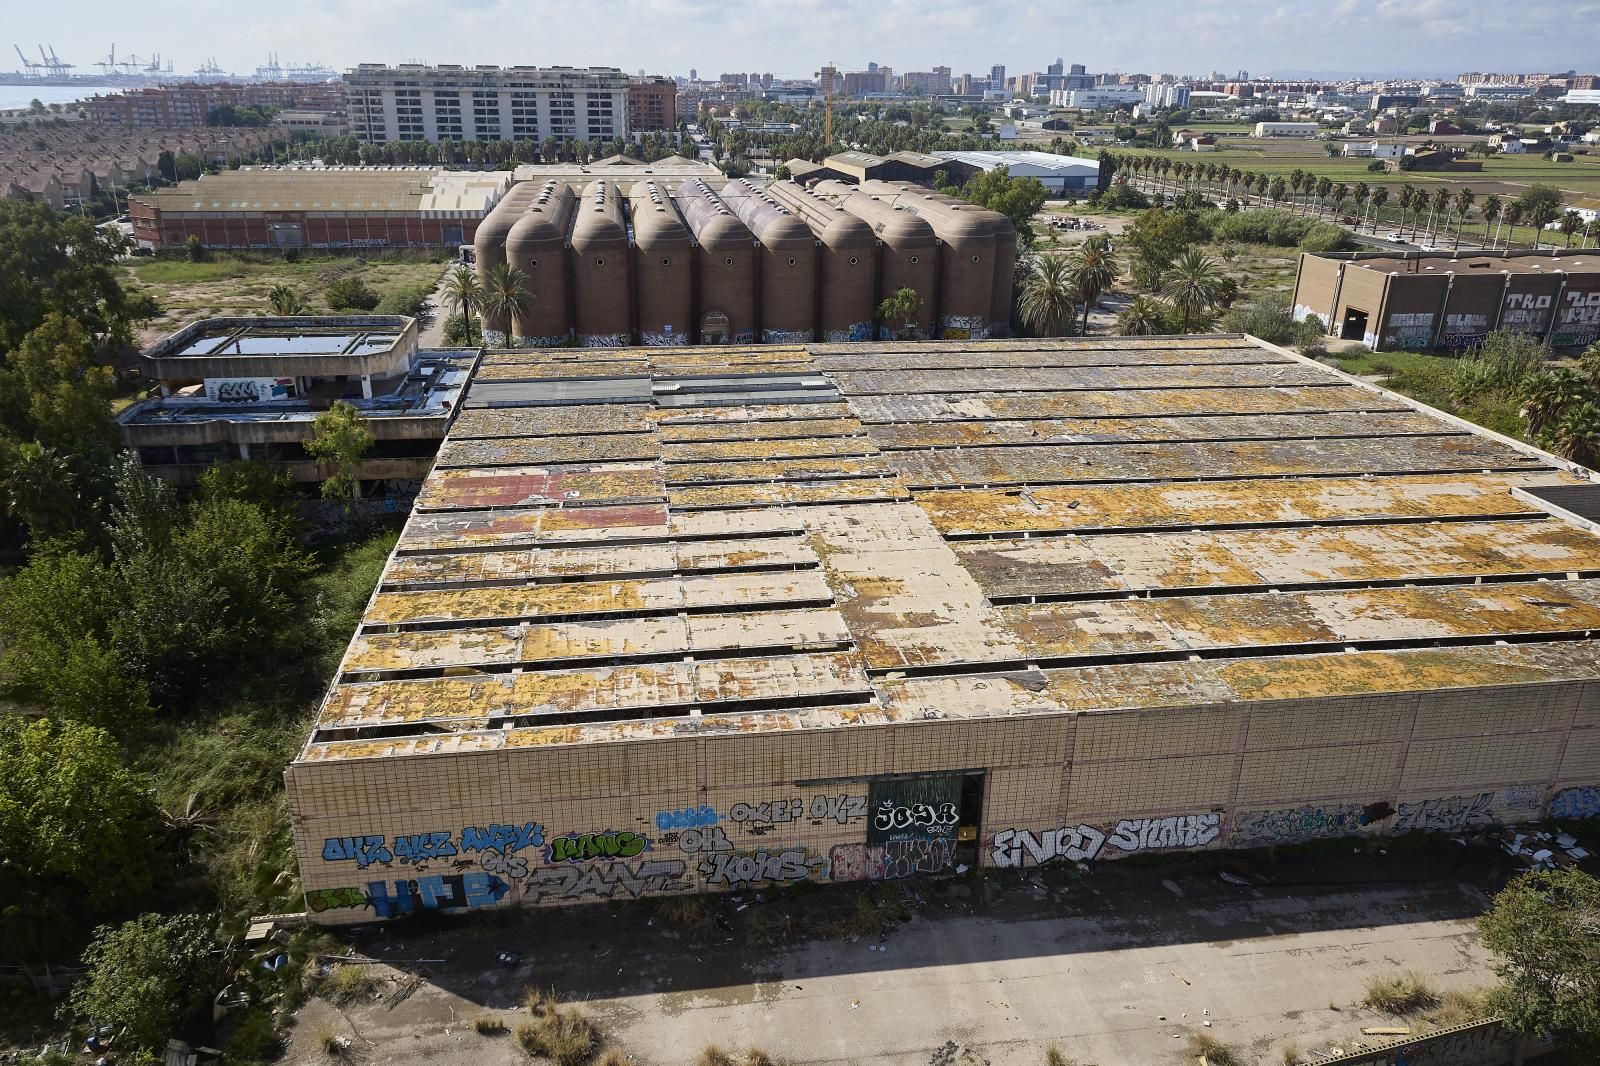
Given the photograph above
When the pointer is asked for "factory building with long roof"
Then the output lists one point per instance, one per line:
(671, 620)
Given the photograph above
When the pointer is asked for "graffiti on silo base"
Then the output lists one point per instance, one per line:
(1085, 843)
(1409, 331)
(964, 327)
(605, 340)
(1581, 802)
(1291, 825)
(785, 336)
(603, 881)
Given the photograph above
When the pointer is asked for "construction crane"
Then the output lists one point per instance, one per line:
(29, 66)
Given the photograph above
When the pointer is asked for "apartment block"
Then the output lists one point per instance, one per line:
(412, 102)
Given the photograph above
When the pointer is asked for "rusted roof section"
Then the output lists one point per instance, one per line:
(1115, 564)
(805, 469)
(539, 451)
(565, 564)
(737, 431)
(617, 596)
(541, 525)
(1247, 620)
(748, 412)
(529, 486)
(903, 435)
(962, 512)
(890, 382)
(1124, 463)
(550, 421)
(787, 493)
(904, 593)
(1198, 683)
(546, 371)
(1047, 357)
(640, 688)
(1117, 403)
(779, 448)
(599, 639)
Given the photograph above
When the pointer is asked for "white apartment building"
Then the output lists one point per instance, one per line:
(1166, 94)
(1286, 129)
(1099, 98)
(412, 102)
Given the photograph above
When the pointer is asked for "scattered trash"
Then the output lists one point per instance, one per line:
(509, 959)
(1233, 879)
(1387, 1030)
(962, 868)
(1206, 1023)
(854, 1003)
(1180, 977)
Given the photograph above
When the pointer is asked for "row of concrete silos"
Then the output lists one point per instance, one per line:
(781, 264)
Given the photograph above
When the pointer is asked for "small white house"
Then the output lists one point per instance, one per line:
(1371, 150)
(1285, 129)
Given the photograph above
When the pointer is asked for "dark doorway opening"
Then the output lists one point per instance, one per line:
(970, 829)
(1354, 326)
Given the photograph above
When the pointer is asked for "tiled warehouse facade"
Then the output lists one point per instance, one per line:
(677, 620)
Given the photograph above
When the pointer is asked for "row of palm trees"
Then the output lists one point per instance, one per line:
(503, 294)
(1304, 192)
(1058, 284)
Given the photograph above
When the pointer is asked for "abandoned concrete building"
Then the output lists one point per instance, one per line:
(670, 620)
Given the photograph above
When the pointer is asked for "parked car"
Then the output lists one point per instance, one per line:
(1398, 238)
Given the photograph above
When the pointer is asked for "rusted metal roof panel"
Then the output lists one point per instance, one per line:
(1276, 557)
(1127, 686)
(750, 412)
(538, 451)
(754, 431)
(640, 688)
(808, 469)
(563, 564)
(1189, 428)
(1206, 623)
(781, 493)
(432, 650)
(1117, 403)
(962, 512)
(778, 448)
(618, 596)
(542, 525)
(891, 382)
(527, 486)
(550, 421)
(1194, 459)
(547, 371)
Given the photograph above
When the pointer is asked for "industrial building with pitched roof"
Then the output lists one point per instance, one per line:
(671, 620)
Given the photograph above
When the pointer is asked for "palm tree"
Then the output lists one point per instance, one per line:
(1093, 271)
(283, 300)
(1491, 213)
(1379, 197)
(1514, 214)
(1324, 188)
(1362, 195)
(506, 296)
(1142, 317)
(465, 293)
(1278, 189)
(1407, 200)
(1571, 223)
(1464, 198)
(1193, 285)
(1049, 300)
(1437, 204)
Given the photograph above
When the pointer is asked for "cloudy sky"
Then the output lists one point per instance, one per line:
(794, 37)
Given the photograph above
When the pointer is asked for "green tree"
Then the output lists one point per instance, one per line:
(284, 300)
(1539, 206)
(52, 262)
(506, 296)
(1019, 199)
(1571, 222)
(1094, 271)
(1142, 317)
(898, 313)
(58, 659)
(351, 293)
(77, 832)
(340, 437)
(1544, 927)
(465, 294)
(146, 977)
(1192, 287)
(1049, 301)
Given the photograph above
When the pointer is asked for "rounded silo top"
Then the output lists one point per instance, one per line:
(598, 217)
(710, 219)
(543, 221)
(655, 218)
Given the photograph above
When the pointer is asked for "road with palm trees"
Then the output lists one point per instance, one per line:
(432, 334)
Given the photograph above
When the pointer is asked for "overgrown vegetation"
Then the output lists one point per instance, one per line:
(1400, 994)
(1215, 1051)
(564, 1035)
(1544, 929)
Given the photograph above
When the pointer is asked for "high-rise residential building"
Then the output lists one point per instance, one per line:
(997, 75)
(935, 82)
(1055, 69)
(694, 75)
(171, 106)
(652, 104)
(862, 82)
(413, 102)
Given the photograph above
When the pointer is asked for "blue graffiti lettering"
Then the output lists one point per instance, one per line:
(417, 847)
(686, 818)
(451, 892)
(1581, 802)
(505, 839)
(365, 850)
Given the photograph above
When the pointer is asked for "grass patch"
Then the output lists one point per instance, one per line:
(564, 1035)
(715, 1055)
(1400, 994)
(611, 1055)
(1053, 1056)
(1216, 1052)
(349, 983)
(1291, 1054)
(1460, 1006)
(489, 1025)
(331, 1044)
(689, 913)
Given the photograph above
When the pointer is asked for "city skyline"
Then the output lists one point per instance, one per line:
(1378, 37)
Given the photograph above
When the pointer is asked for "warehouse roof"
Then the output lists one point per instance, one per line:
(800, 537)
(1042, 160)
(335, 190)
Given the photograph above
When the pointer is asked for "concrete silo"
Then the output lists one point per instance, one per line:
(536, 246)
(966, 257)
(1005, 256)
(725, 267)
(663, 267)
(489, 251)
(908, 255)
(787, 310)
(602, 299)
(847, 262)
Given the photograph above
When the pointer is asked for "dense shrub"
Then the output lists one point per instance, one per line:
(350, 293)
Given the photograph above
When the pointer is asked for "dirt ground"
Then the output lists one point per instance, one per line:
(1116, 965)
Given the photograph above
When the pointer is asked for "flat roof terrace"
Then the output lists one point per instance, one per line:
(663, 542)
(309, 346)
